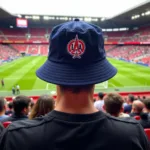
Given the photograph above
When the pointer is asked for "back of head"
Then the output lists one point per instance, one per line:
(75, 54)
(137, 106)
(44, 105)
(147, 103)
(76, 59)
(21, 103)
(131, 98)
(144, 97)
(101, 95)
(10, 105)
(2, 104)
(113, 103)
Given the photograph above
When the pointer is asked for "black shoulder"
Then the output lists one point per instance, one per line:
(28, 123)
(1, 127)
(126, 120)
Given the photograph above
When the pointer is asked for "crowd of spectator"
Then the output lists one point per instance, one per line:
(132, 107)
(131, 53)
(23, 107)
(7, 52)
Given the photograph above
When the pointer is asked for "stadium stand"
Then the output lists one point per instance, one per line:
(13, 32)
(130, 53)
(43, 49)
(37, 31)
(109, 47)
(141, 34)
(34, 49)
(20, 47)
(7, 52)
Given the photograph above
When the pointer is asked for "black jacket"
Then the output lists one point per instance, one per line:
(1, 128)
(63, 131)
(145, 120)
(134, 114)
(15, 117)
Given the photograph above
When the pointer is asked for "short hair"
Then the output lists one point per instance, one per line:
(101, 95)
(144, 97)
(44, 105)
(76, 89)
(147, 103)
(138, 105)
(113, 103)
(21, 102)
(131, 97)
(2, 103)
(10, 105)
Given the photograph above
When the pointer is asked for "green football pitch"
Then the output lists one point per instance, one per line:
(130, 77)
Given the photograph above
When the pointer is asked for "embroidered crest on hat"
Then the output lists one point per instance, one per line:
(76, 47)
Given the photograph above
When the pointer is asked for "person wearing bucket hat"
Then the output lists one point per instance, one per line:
(76, 61)
(76, 56)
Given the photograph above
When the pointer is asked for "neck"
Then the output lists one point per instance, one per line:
(100, 99)
(81, 103)
(115, 115)
(136, 112)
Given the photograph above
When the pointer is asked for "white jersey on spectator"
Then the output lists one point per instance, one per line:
(99, 105)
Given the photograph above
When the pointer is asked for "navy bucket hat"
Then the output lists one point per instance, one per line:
(76, 56)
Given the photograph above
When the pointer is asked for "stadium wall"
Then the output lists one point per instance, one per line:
(139, 63)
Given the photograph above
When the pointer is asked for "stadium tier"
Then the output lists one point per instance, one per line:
(41, 34)
(6, 52)
(13, 32)
(141, 34)
(38, 32)
(44, 49)
(38, 35)
(131, 53)
(20, 47)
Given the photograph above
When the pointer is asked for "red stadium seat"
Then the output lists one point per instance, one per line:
(6, 124)
(147, 131)
(137, 117)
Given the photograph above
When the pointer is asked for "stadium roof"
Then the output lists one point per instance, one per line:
(134, 17)
(96, 8)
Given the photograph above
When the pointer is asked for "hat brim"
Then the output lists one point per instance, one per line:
(65, 74)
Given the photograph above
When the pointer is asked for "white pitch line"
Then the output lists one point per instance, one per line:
(112, 84)
(47, 86)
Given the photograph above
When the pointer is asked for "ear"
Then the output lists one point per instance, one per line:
(25, 110)
(5, 107)
(145, 110)
(132, 110)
